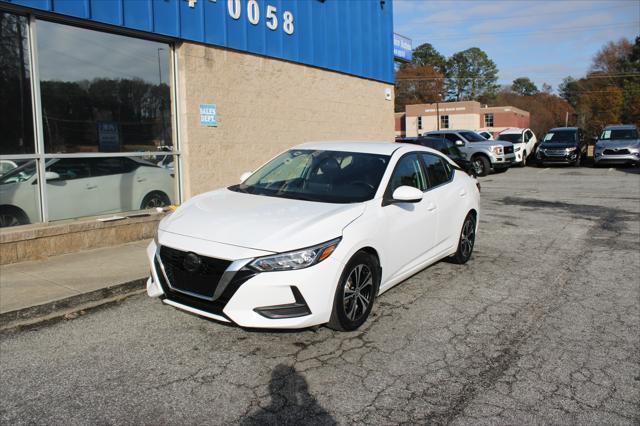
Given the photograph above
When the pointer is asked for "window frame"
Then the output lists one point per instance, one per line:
(451, 176)
(387, 195)
(488, 115)
(444, 119)
(41, 156)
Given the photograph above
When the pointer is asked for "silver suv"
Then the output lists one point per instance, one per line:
(618, 144)
(484, 154)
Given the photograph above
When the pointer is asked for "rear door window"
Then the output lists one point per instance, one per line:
(439, 171)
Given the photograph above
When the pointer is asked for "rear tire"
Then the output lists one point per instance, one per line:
(155, 199)
(466, 241)
(356, 292)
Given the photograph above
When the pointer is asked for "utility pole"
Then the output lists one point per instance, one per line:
(566, 119)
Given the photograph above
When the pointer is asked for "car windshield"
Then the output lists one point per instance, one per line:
(618, 134)
(511, 137)
(472, 137)
(561, 136)
(315, 175)
(19, 174)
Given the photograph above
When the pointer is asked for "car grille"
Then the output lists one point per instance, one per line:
(555, 152)
(198, 279)
(616, 152)
(508, 149)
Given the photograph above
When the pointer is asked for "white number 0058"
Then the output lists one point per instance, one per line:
(234, 7)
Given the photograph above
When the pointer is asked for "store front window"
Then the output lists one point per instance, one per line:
(107, 141)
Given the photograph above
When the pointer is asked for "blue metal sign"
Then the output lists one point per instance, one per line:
(350, 36)
(402, 48)
(208, 115)
(108, 136)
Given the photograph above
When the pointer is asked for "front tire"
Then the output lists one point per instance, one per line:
(356, 292)
(12, 216)
(466, 241)
(481, 165)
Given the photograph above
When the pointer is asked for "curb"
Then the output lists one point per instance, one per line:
(58, 309)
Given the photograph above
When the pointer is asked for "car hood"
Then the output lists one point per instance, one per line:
(490, 143)
(618, 143)
(260, 222)
(557, 145)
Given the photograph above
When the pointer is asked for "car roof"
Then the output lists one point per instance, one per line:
(513, 130)
(620, 127)
(557, 129)
(369, 147)
(449, 131)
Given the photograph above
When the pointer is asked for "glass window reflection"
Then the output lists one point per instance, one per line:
(78, 187)
(16, 116)
(103, 92)
(18, 192)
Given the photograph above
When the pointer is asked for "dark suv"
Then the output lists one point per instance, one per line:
(565, 145)
(446, 147)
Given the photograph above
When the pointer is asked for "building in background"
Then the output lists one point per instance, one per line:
(422, 118)
(98, 91)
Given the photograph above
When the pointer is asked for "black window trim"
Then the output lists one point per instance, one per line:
(424, 167)
(387, 197)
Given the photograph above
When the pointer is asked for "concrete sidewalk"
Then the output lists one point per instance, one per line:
(38, 288)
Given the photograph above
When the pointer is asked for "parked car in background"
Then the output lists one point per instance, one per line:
(524, 143)
(563, 145)
(618, 144)
(446, 147)
(484, 155)
(84, 187)
(315, 235)
(487, 135)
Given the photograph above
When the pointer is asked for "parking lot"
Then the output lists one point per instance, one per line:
(541, 326)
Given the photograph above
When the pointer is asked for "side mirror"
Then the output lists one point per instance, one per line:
(459, 143)
(51, 175)
(407, 194)
(245, 176)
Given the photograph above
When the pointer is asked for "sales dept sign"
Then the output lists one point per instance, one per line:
(208, 115)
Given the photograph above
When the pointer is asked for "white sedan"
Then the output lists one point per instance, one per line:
(315, 235)
(79, 187)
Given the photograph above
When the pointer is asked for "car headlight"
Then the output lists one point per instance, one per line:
(497, 149)
(518, 148)
(298, 259)
(571, 149)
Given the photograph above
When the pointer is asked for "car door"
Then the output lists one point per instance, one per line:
(410, 227)
(74, 192)
(115, 180)
(446, 193)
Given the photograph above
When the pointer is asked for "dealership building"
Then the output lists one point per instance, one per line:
(113, 106)
(421, 118)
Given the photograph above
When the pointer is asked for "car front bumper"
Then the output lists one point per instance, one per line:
(632, 157)
(287, 299)
(502, 161)
(557, 156)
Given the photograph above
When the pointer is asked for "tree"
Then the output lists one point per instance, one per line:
(547, 88)
(524, 86)
(569, 90)
(613, 56)
(470, 74)
(426, 54)
(417, 85)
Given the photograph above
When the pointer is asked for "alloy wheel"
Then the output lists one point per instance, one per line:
(478, 166)
(154, 202)
(358, 292)
(8, 220)
(467, 237)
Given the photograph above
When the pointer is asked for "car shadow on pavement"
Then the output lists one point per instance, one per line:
(629, 169)
(291, 403)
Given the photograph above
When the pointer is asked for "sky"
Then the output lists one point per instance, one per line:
(545, 40)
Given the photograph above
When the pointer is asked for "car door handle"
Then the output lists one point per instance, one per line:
(91, 186)
(141, 179)
(463, 192)
(431, 207)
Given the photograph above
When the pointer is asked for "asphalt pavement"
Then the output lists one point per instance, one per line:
(541, 326)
